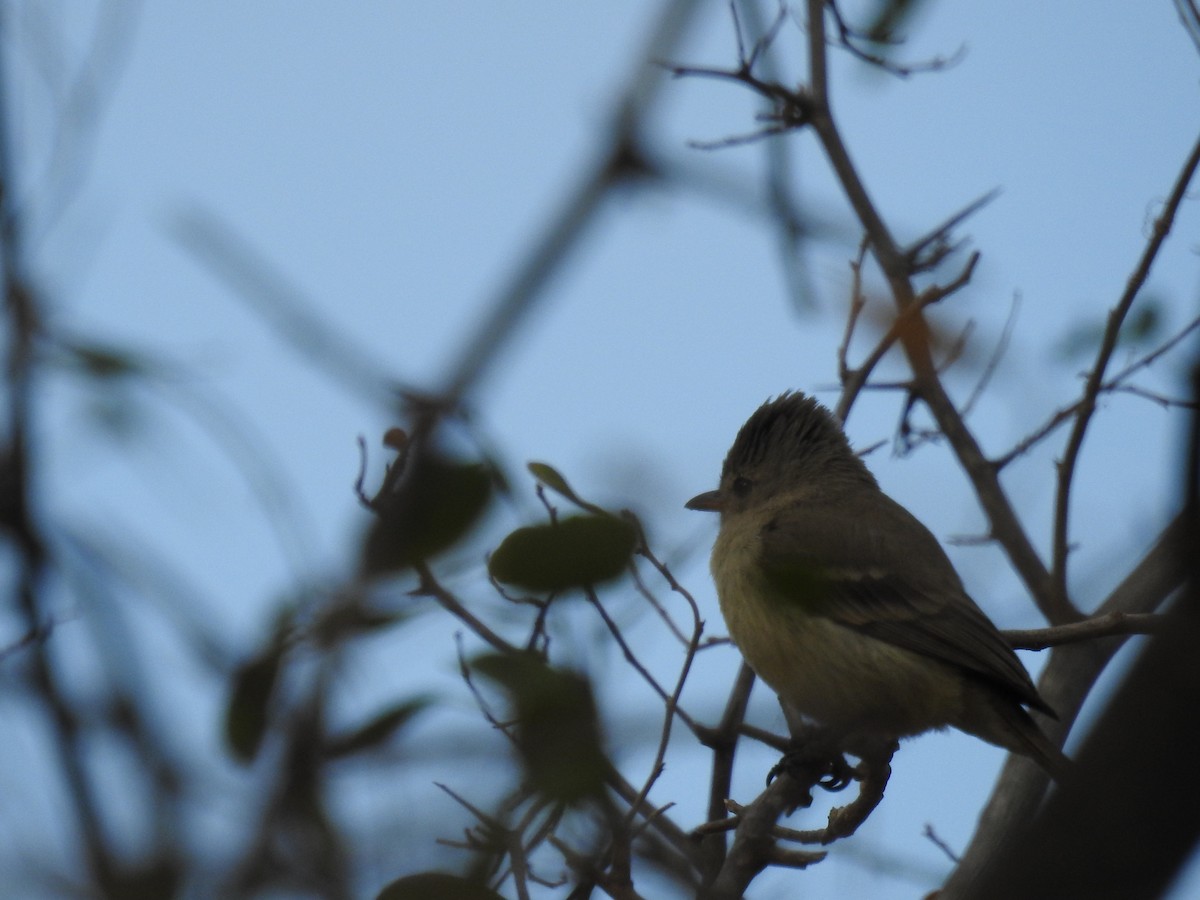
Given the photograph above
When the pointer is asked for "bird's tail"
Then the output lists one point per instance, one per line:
(1032, 742)
(1004, 722)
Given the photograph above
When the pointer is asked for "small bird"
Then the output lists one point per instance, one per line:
(846, 605)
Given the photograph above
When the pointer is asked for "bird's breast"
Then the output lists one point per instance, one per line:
(829, 672)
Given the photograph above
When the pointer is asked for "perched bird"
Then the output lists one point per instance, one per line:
(846, 605)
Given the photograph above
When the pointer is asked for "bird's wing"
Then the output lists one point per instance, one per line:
(869, 565)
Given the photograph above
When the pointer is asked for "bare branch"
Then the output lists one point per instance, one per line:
(431, 587)
(858, 300)
(1114, 623)
(994, 361)
(754, 845)
(1095, 379)
(936, 840)
(896, 267)
(873, 776)
(1112, 384)
(630, 657)
(1065, 683)
(855, 380)
(1189, 15)
(939, 238)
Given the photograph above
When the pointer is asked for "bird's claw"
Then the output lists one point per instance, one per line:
(832, 773)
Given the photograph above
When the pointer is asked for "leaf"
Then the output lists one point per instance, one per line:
(106, 362)
(1145, 324)
(575, 551)
(246, 716)
(352, 619)
(889, 16)
(1142, 326)
(378, 730)
(436, 886)
(557, 728)
(551, 478)
(433, 509)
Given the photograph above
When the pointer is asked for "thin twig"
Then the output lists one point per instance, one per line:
(754, 845)
(672, 702)
(631, 657)
(1111, 384)
(1154, 397)
(940, 235)
(856, 379)
(1095, 378)
(848, 37)
(933, 837)
(431, 587)
(993, 362)
(657, 606)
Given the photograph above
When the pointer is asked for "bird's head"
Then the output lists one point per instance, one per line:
(791, 443)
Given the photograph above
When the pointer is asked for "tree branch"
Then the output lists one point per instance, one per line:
(1095, 379)
(1005, 527)
(1065, 683)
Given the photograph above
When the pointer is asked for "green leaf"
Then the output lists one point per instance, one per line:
(246, 716)
(436, 886)
(575, 551)
(433, 509)
(551, 478)
(378, 730)
(557, 728)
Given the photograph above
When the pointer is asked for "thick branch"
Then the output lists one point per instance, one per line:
(1065, 683)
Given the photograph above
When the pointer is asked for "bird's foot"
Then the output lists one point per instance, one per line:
(818, 766)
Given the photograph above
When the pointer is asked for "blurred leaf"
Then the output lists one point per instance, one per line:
(890, 15)
(1142, 326)
(396, 439)
(939, 337)
(353, 618)
(378, 730)
(105, 362)
(110, 371)
(1146, 322)
(434, 507)
(575, 551)
(551, 478)
(117, 413)
(557, 728)
(436, 886)
(246, 717)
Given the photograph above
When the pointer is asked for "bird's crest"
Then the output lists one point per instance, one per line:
(792, 428)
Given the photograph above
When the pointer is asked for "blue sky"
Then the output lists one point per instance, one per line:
(397, 161)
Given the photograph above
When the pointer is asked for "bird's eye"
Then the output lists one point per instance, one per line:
(741, 486)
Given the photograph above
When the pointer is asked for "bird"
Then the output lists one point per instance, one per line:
(847, 606)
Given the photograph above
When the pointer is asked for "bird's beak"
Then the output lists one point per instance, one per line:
(709, 501)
